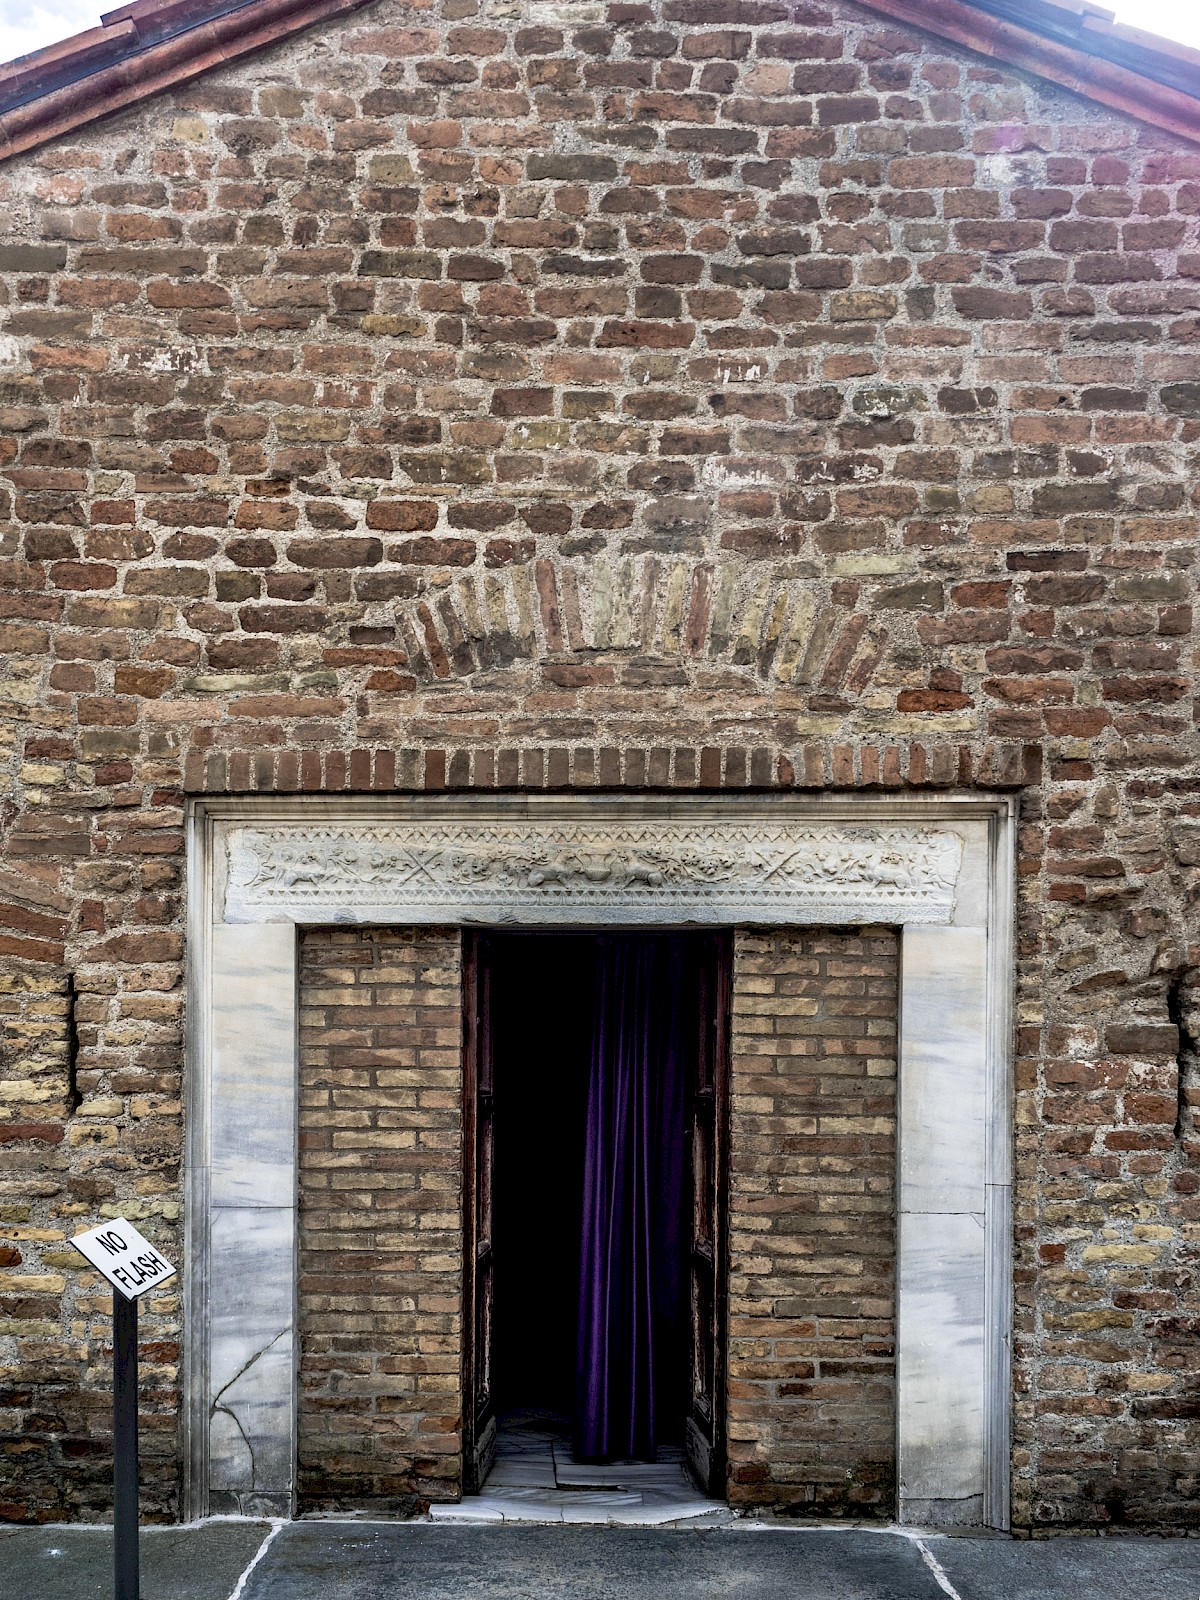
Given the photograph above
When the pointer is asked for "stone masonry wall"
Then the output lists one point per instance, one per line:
(381, 1165)
(72, 1152)
(812, 1236)
(673, 394)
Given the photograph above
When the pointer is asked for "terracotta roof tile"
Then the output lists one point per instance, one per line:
(1074, 43)
(121, 36)
(138, 51)
(1093, 28)
(147, 46)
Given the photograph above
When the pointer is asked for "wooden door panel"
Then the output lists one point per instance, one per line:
(705, 1429)
(479, 1138)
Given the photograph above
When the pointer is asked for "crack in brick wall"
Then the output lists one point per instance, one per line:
(115, 1149)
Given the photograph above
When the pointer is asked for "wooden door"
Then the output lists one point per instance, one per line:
(705, 1428)
(479, 1138)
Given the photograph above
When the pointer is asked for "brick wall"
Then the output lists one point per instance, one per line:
(89, 1127)
(812, 1415)
(447, 401)
(380, 1396)
(811, 1370)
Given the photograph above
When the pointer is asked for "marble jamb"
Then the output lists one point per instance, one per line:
(940, 1356)
(943, 1069)
(253, 1028)
(252, 1350)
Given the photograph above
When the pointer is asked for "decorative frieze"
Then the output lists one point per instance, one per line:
(517, 870)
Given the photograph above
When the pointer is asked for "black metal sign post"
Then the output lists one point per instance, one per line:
(132, 1265)
(125, 1448)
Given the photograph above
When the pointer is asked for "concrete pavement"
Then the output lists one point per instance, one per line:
(229, 1560)
(204, 1562)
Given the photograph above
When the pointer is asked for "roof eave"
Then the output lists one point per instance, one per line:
(1010, 45)
(162, 67)
(237, 33)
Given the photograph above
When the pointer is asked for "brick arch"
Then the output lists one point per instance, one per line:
(666, 611)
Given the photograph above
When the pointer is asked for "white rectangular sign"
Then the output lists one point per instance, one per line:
(130, 1263)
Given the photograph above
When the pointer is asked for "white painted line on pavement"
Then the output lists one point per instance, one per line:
(939, 1572)
(239, 1590)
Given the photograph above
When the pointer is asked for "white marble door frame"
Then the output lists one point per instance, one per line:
(941, 868)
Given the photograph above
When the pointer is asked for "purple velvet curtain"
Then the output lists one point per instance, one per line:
(632, 1286)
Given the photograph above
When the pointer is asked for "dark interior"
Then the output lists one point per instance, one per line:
(541, 1019)
(542, 1015)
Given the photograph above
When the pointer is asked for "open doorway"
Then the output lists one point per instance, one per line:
(596, 1068)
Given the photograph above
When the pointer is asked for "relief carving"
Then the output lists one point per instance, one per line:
(653, 871)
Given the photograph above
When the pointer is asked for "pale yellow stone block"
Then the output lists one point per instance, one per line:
(1121, 1255)
(113, 1107)
(94, 1133)
(64, 1260)
(190, 130)
(23, 1091)
(32, 1283)
(875, 564)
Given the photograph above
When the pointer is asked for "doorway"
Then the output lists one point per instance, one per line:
(596, 1066)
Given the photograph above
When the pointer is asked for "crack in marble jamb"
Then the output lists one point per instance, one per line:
(217, 1406)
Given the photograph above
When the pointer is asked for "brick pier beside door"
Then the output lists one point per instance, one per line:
(380, 1401)
(812, 1271)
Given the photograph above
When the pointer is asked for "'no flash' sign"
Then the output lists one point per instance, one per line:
(130, 1263)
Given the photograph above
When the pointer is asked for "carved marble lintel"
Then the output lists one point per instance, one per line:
(531, 872)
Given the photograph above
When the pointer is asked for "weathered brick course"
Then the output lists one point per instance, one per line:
(713, 396)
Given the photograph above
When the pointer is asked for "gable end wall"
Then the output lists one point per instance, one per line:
(679, 395)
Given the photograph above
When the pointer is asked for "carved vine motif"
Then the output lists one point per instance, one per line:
(461, 866)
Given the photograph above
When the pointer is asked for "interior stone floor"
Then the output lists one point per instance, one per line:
(537, 1479)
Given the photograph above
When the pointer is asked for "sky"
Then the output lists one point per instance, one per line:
(29, 24)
